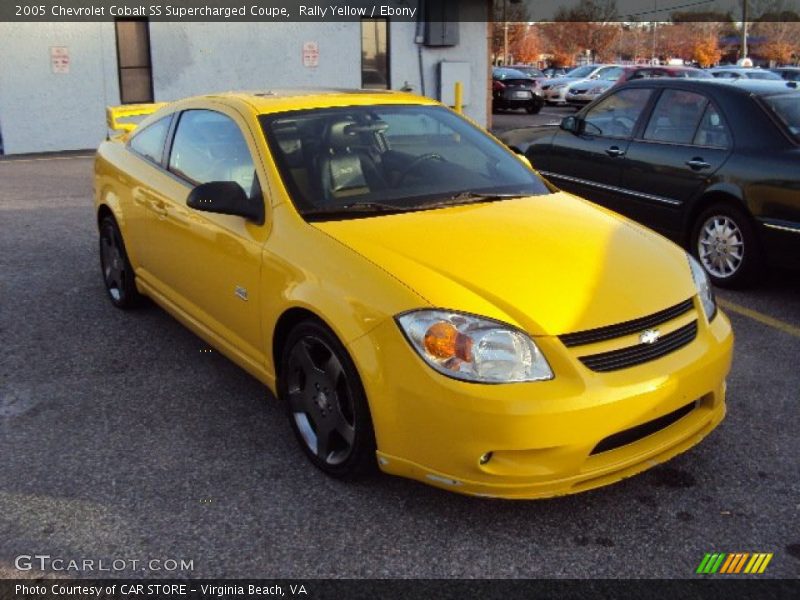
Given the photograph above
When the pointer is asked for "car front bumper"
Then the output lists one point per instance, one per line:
(557, 96)
(541, 435)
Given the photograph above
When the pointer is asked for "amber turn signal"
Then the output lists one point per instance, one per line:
(444, 341)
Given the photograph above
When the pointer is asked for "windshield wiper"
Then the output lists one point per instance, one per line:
(354, 207)
(467, 197)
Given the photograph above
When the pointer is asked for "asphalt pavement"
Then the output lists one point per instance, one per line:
(122, 438)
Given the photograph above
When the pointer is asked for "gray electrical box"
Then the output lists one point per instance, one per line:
(441, 23)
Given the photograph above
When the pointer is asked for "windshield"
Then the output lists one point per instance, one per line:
(787, 108)
(581, 71)
(396, 158)
(509, 74)
(764, 75)
(696, 74)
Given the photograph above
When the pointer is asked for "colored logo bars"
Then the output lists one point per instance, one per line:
(741, 562)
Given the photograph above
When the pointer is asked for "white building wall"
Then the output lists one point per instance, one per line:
(42, 111)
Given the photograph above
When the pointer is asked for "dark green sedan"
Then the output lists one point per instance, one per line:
(713, 165)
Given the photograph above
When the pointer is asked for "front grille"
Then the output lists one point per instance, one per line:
(640, 353)
(634, 434)
(590, 336)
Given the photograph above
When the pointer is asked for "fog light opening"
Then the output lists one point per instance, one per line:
(485, 458)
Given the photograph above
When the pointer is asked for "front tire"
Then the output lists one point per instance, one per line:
(118, 275)
(724, 241)
(325, 402)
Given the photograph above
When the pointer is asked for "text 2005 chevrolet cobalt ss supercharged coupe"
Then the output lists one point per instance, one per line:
(412, 291)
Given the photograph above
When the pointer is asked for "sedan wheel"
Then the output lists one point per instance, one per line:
(721, 246)
(725, 244)
(325, 402)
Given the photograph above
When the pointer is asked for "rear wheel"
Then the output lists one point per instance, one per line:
(325, 402)
(118, 273)
(534, 107)
(725, 243)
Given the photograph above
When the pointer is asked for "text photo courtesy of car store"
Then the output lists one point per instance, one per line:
(64, 75)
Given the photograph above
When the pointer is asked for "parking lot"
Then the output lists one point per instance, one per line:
(124, 437)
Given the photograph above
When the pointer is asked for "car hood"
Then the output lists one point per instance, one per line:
(549, 264)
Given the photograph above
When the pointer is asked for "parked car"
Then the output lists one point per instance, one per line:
(743, 73)
(712, 165)
(788, 73)
(416, 296)
(555, 90)
(531, 72)
(512, 90)
(583, 92)
(552, 72)
(654, 72)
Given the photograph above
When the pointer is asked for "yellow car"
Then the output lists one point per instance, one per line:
(413, 292)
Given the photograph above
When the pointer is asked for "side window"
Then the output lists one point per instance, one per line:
(616, 116)
(149, 142)
(610, 74)
(712, 130)
(676, 117)
(209, 146)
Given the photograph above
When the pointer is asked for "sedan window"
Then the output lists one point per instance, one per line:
(208, 147)
(675, 117)
(616, 116)
(712, 131)
(149, 142)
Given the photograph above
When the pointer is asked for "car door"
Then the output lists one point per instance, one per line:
(588, 161)
(208, 264)
(684, 143)
(146, 179)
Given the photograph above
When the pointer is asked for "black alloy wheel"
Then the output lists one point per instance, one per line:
(325, 402)
(118, 273)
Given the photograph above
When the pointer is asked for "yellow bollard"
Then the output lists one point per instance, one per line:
(459, 95)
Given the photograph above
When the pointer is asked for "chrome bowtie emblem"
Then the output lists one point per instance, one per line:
(649, 336)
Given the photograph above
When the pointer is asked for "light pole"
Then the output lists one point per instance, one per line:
(744, 29)
(505, 33)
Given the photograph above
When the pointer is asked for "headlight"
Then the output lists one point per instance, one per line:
(474, 349)
(704, 289)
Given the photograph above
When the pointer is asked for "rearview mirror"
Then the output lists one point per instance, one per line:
(226, 198)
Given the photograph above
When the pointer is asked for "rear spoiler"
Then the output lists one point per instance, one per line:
(115, 113)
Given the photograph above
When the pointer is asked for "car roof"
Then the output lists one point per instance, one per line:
(741, 86)
(285, 99)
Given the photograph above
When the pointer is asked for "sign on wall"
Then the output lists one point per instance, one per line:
(311, 54)
(59, 59)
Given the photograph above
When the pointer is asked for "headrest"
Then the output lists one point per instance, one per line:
(347, 133)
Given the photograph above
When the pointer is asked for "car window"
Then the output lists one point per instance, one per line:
(786, 108)
(149, 142)
(675, 117)
(712, 130)
(610, 74)
(764, 75)
(616, 116)
(209, 146)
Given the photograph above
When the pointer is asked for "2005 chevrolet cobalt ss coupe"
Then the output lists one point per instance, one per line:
(412, 291)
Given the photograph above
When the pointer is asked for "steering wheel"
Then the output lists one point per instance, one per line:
(414, 164)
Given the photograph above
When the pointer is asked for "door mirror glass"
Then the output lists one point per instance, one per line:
(570, 124)
(227, 198)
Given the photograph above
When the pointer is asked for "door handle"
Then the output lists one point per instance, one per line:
(158, 207)
(615, 151)
(697, 164)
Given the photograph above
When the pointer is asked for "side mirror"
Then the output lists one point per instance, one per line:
(570, 123)
(227, 198)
